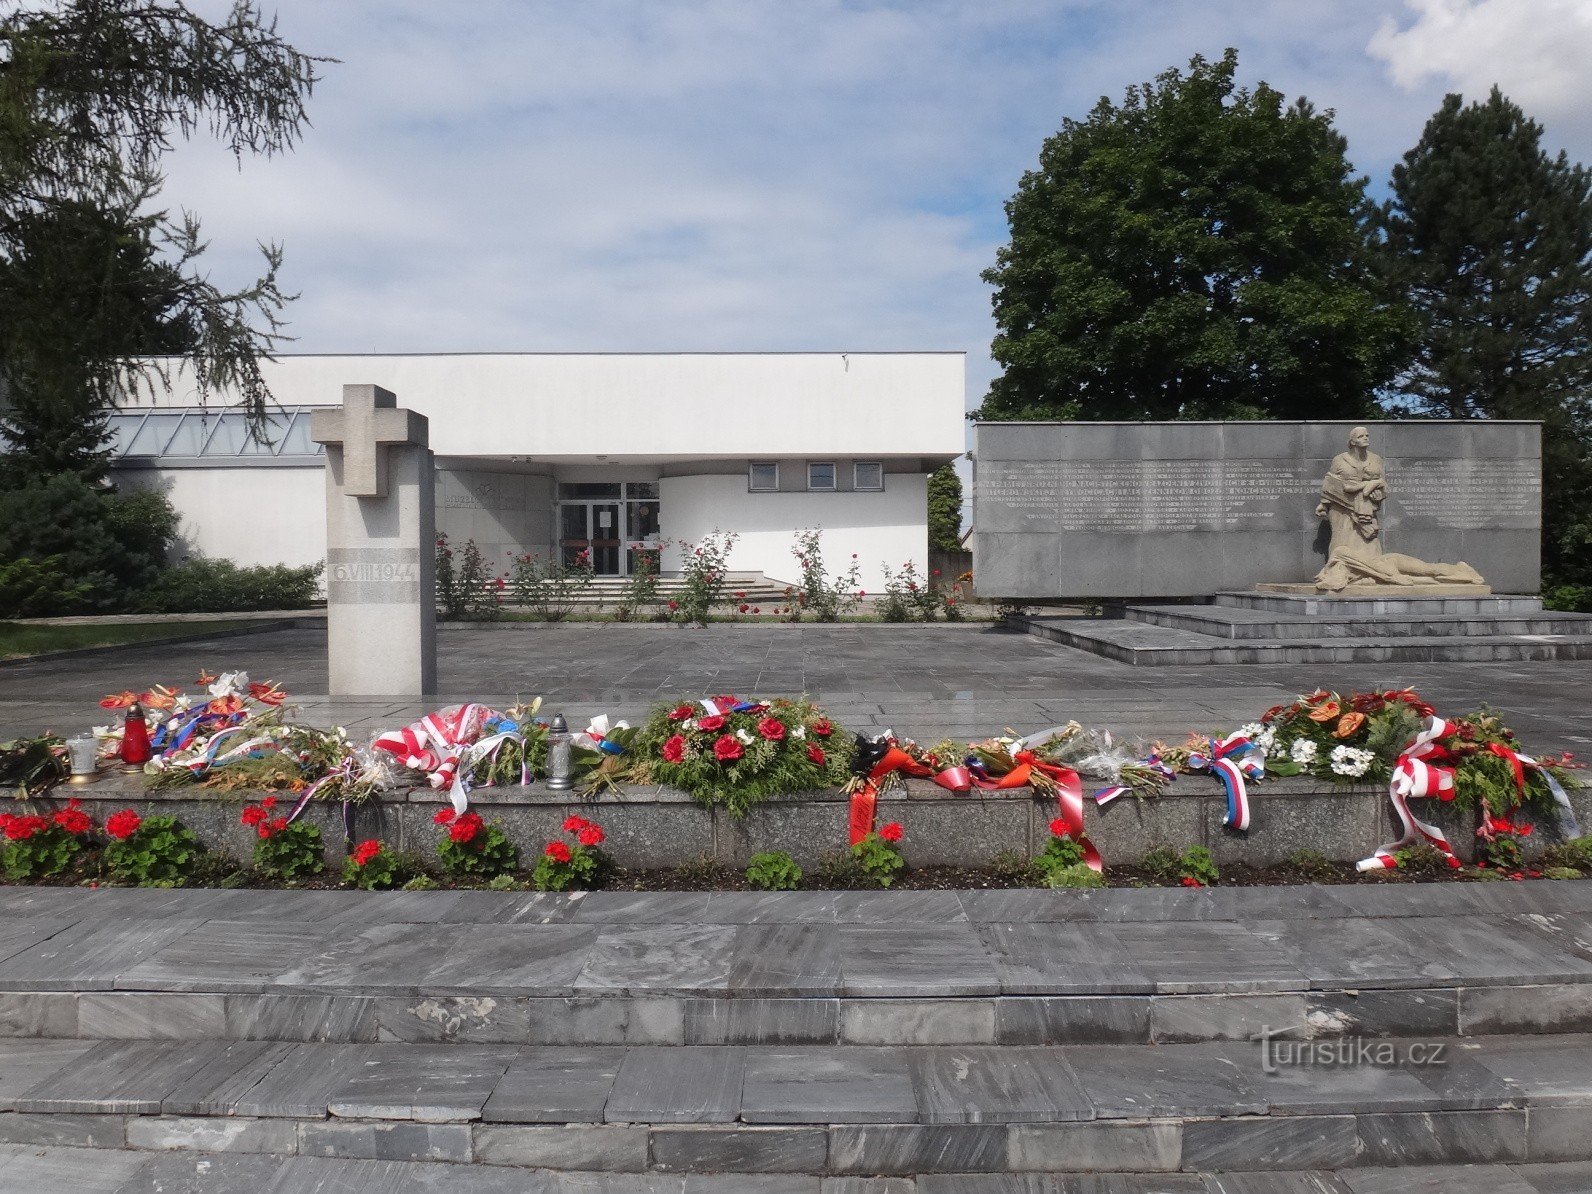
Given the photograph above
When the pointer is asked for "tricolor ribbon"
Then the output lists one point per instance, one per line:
(436, 744)
(1417, 776)
(1233, 760)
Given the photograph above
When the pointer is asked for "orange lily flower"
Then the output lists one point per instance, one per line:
(1326, 712)
(1348, 725)
(205, 677)
(225, 705)
(160, 697)
(118, 700)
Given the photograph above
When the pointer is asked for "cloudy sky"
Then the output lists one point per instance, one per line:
(590, 175)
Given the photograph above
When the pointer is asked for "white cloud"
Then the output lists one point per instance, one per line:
(1535, 51)
(699, 174)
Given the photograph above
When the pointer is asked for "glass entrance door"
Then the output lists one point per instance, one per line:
(611, 520)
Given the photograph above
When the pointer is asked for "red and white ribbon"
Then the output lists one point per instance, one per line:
(435, 745)
(1417, 776)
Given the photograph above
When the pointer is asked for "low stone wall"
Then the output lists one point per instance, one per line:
(653, 828)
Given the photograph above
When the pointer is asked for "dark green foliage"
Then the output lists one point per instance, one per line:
(214, 586)
(1056, 863)
(1196, 251)
(773, 870)
(110, 546)
(92, 94)
(1489, 239)
(587, 867)
(878, 861)
(161, 853)
(43, 855)
(465, 592)
(291, 852)
(945, 509)
(1577, 853)
(39, 589)
(1421, 859)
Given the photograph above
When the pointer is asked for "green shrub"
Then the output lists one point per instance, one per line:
(422, 882)
(877, 857)
(39, 589)
(463, 590)
(372, 866)
(549, 589)
(150, 851)
(704, 573)
(471, 847)
(908, 597)
(38, 847)
(1060, 854)
(838, 869)
(1574, 599)
(220, 586)
(773, 870)
(826, 599)
(1013, 866)
(107, 546)
(1194, 867)
(293, 852)
(1162, 864)
(563, 866)
(1560, 872)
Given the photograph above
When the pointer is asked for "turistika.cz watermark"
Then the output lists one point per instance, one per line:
(1278, 1052)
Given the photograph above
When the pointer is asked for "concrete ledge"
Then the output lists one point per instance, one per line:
(654, 828)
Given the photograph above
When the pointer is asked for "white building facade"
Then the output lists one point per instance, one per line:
(613, 453)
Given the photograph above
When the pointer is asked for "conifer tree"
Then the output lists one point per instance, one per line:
(1489, 240)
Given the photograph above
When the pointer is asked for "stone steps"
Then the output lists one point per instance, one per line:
(843, 1111)
(40, 1169)
(1142, 644)
(1497, 605)
(1246, 624)
(776, 1042)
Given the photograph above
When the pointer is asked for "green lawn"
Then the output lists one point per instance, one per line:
(18, 640)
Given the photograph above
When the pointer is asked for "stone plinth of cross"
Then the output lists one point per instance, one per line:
(364, 427)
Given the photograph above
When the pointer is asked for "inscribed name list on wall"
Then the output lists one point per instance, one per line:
(1135, 510)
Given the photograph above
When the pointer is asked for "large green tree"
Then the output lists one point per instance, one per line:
(92, 271)
(945, 509)
(1197, 251)
(1489, 239)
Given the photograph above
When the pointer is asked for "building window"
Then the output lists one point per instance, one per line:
(867, 474)
(820, 475)
(763, 477)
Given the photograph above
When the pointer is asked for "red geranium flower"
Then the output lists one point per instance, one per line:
(72, 818)
(891, 832)
(123, 825)
(822, 728)
(591, 835)
(682, 712)
(20, 829)
(674, 749)
(365, 851)
(745, 607)
(710, 723)
(557, 851)
(442, 816)
(817, 755)
(1191, 881)
(268, 802)
(465, 828)
(252, 814)
(772, 728)
(727, 748)
(1060, 828)
(575, 824)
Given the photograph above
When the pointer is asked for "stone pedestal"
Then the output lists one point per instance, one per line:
(1372, 590)
(380, 547)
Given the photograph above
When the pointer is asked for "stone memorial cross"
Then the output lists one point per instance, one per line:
(380, 546)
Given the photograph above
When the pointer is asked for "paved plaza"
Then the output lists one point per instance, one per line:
(927, 682)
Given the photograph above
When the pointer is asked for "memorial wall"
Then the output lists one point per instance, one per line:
(1188, 509)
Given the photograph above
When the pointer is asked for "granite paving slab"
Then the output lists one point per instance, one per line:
(658, 1084)
(554, 1085)
(907, 959)
(187, 1173)
(1208, 956)
(221, 1084)
(821, 1084)
(301, 1083)
(226, 955)
(63, 1170)
(122, 1077)
(778, 959)
(25, 1063)
(492, 959)
(996, 1085)
(1357, 952)
(425, 1083)
(90, 955)
(1135, 1083)
(659, 959)
(1045, 958)
(1548, 1071)
(384, 959)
